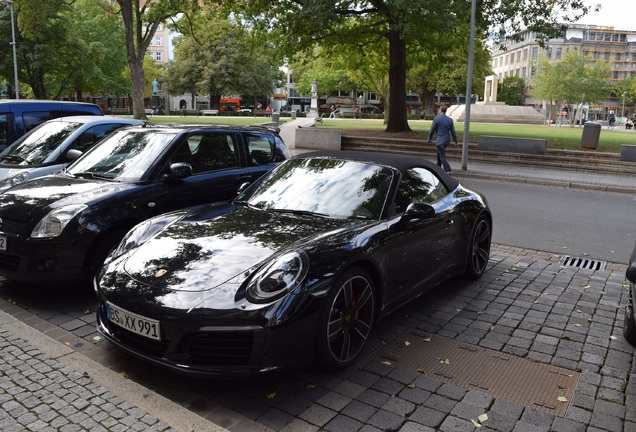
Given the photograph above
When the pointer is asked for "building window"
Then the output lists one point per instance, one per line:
(512, 58)
(523, 72)
(156, 41)
(615, 74)
(535, 53)
(558, 52)
(506, 61)
(518, 56)
(156, 55)
(548, 52)
(596, 55)
(607, 56)
(517, 72)
(617, 56)
(525, 54)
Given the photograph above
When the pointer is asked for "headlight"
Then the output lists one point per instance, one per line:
(141, 233)
(16, 179)
(278, 278)
(53, 223)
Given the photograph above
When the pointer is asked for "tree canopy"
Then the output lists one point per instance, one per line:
(573, 79)
(512, 91)
(300, 25)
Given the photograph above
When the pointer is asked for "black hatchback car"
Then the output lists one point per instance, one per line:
(59, 228)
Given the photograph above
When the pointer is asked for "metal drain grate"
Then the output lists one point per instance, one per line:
(526, 382)
(584, 263)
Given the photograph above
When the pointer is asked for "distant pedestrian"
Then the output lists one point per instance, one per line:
(612, 119)
(443, 128)
(332, 113)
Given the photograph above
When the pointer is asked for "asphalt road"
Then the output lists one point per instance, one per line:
(578, 223)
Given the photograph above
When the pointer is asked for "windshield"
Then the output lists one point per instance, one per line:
(37, 146)
(124, 155)
(338, 188)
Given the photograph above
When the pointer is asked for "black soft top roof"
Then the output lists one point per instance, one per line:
(398, 161)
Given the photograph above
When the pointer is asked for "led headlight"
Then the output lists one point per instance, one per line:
(14, 180)
(54, 223)
(278, 278)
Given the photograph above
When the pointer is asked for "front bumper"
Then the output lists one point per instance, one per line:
(42, 260)
(220, 348)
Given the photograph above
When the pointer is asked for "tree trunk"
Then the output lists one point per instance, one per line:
(397, 121)
(137, 73)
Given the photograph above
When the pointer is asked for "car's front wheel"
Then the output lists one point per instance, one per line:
(479, 248)
(346, 319)
(629, 326)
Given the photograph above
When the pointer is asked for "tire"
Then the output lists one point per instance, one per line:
(346, 319)
(479, 248)
(629, 326)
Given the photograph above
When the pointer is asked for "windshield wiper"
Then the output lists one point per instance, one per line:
(300, 212)
(15, 159)
(91, 175)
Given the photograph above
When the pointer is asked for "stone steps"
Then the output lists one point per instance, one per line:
(580, 160)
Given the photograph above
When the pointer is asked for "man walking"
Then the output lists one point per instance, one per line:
(443, 127)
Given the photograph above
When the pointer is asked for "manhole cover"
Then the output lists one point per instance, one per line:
(526, 382)
(584, 263)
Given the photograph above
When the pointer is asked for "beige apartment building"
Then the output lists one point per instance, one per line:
(601, 43)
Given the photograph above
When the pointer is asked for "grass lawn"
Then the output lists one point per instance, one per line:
(559, 137)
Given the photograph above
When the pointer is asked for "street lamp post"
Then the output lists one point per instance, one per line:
(15, 62)
(623, 112)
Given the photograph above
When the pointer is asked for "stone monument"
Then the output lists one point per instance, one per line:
(491, 111)
(313, 108)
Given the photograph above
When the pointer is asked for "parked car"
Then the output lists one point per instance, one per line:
(59, 228)
(17, 117)
(299, 267)
(629, 323)
(52, 145)
(244, 111)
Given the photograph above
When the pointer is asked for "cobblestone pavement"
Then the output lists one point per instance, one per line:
(40, 394)
(527, 305)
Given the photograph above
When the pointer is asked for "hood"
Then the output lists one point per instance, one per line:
(34, 199)
(198, 254)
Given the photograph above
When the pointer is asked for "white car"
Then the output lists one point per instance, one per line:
(52, 145)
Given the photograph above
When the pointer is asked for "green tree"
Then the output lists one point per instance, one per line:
(141, 20)
(93, 57)
(219, 57)
(512, 91)
(301, 24)
(573, 79)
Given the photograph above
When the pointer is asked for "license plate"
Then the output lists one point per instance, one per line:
(135, 323)
(3, 243)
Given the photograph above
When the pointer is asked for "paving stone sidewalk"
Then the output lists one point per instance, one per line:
(40, 394)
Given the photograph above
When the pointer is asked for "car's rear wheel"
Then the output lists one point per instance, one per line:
(479, 248)
(346, 319)
(629, 326)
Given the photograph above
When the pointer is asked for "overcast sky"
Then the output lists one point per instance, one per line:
(618, 13)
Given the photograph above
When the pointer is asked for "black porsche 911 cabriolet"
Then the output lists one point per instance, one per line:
(297, 269)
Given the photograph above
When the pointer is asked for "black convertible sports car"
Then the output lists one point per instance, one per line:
(298, 268)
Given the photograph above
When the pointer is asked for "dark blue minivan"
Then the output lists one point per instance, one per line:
(17, 117)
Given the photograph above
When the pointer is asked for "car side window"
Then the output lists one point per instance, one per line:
(33, 118)
(91, 135)
(212, 152)
(260, 149)
(418, 184)
(4, 130)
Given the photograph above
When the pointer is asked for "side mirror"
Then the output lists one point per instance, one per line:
(419, 210)
(73, 154)
(180, 170)
(631, 272)
(242, 187)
